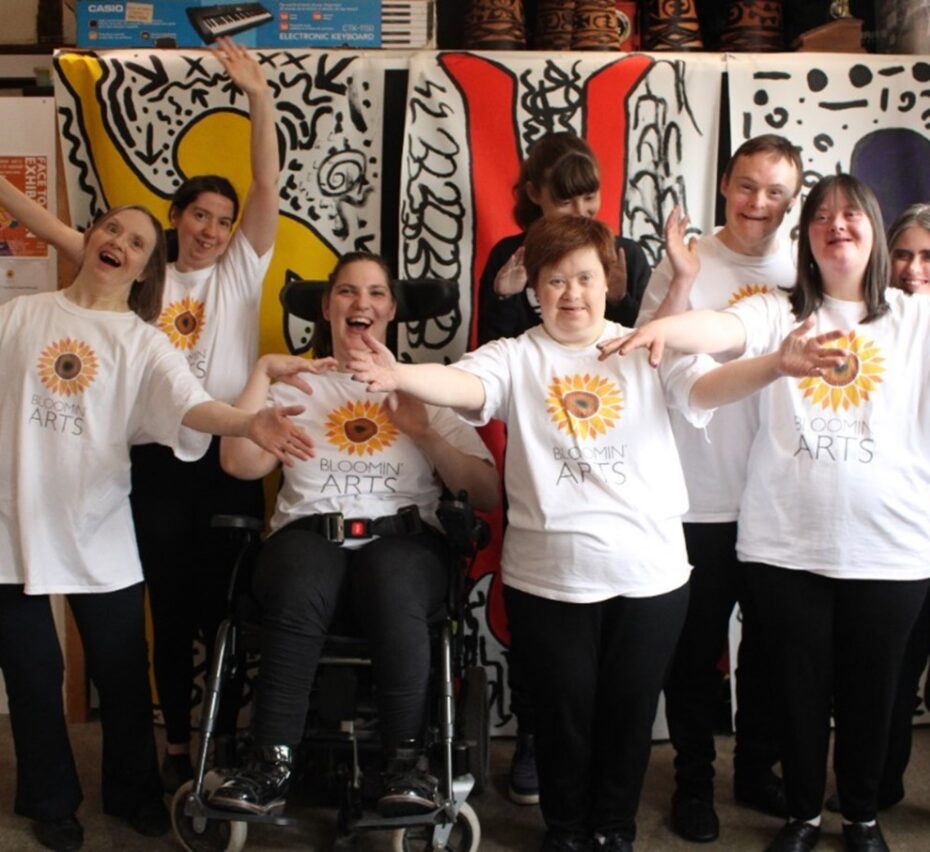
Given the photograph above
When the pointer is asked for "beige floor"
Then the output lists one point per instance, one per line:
(504, 826)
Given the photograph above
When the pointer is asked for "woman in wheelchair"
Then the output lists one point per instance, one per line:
(355, 523)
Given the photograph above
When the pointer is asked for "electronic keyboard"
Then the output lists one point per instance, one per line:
(211, 22)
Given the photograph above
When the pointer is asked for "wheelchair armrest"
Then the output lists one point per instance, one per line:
(466, 533)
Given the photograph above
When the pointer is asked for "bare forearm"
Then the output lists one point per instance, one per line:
(462, 472)
(260, 215)
(240, 456)
(41, 222)
(678, 298)
(734, 381)
(218, 418)
(704, 331)
(440, 385)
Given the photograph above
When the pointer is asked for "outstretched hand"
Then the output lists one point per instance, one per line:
(275, 433)
(240, 65)
(649, 337)
(511, 278)
(801, 355)
(375, 365)
(682, 255)
(287, 369)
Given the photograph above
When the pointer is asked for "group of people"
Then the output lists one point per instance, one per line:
(741, 425)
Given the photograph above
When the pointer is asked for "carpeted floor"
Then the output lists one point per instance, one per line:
(504, 826)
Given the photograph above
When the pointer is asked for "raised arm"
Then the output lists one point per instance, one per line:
(432, 383)
(684, 262)
(457, 469)
(43, 224)
(260, 213)
(799, 355)
(713, 332)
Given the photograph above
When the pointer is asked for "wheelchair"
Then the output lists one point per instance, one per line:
(341, 734)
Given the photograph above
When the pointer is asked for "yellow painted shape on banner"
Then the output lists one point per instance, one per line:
(217, 144)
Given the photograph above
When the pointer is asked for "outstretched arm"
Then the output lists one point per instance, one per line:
(458, 470)
(799, 355)
(43, 224)
(432, 383)
(244, 456)
(260, 213)
(694, 331)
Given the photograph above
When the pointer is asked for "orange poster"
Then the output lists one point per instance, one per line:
(29, 174)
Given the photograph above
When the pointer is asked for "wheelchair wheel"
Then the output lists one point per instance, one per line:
(205, 835)
(466, 835)
(475, 725)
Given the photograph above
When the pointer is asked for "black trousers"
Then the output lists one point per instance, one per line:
(594, 672)
(392, 585)
(187, 566)
(834, 644)
(112, 628)
(692, 693)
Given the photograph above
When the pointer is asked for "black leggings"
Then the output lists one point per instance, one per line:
(834, 645)
(594, 671)
(187, 566)
(394, 585)
(112, 628)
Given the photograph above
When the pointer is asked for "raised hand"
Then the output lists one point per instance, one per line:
(801, 355)
(275, 433)
(375, 365)
(682, 255)
(240, 65)
(650, 336)
(511, 278)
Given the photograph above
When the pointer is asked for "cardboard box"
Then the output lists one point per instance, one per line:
(359, 24)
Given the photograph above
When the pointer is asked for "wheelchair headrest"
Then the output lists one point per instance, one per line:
(417, 298)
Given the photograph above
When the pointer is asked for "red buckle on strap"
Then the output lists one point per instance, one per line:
(358, 529)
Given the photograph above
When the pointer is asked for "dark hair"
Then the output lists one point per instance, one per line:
(562, 161)
(768, 143)
(549, 240)
(145, 295)
(915, 216)
(807, 294)
(188, 192)
(322, 340)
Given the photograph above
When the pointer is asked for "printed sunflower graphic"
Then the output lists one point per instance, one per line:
(747, 291)
(182, 322)
(584, 406)
(360, 427)
(850, 383)
(67, 366)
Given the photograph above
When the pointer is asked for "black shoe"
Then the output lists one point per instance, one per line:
(864, 838)
(612, 842)
(694, 818)
(150, 819)
(260, 788)
(795, 836)
(176, 770)
(409, 789)
(524, 782)
(62, 835)
(765, 793)
(560, 841)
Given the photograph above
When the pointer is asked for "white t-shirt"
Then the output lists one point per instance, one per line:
(84, 385)
(594, 485)
(211, 316)
(364, 466)
(714, 461)
(839, 472)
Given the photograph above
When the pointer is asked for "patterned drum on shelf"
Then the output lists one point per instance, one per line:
(495, 25)
(672, 25)
(753, 26)
(595, 25)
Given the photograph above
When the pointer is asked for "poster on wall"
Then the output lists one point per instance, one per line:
(27, 152)
(652, 122)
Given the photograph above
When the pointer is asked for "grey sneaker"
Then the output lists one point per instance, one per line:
(524, 782)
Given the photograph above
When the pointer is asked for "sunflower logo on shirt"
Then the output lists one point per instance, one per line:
(747, 291)
(361, 427)
(182, 321)
(67, 366)
(849, 383)
(584, 406)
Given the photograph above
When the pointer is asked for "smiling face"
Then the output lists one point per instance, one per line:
(360, 300)
(585, 205)
(572, 296)
(204, 228)
(759, 191)
(910, 261)
(117, 249)
(841, 237)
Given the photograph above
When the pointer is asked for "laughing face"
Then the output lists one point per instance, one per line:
(841, 236)
(360, 300)
(910, 261)
(204, 228)
(118, 247)
(759, 191)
